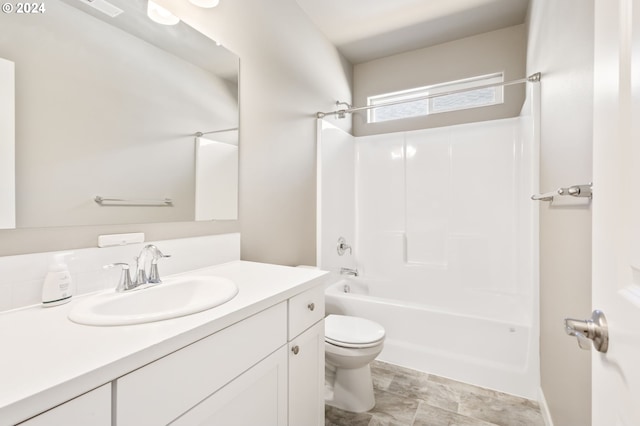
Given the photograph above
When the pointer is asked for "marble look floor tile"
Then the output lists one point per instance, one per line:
(381, 366)
(381, 377)
(336, 417)
(421, 388)
(428, 415)
(467, 389)
(409, 385)
(379, 421)
(406, 397)
(501, 411)
(464, 388)
(441, 396)
(395, 408)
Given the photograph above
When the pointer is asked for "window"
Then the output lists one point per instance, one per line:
(421, 105)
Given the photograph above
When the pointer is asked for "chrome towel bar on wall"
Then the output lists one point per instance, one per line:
(581, 191)
(119, 201)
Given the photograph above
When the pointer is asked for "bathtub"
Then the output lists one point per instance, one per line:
(478, 340)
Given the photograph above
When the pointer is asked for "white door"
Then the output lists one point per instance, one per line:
(616, 210)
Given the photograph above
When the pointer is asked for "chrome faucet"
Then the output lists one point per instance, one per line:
(349, 271)
(153, 277)
(126, 283)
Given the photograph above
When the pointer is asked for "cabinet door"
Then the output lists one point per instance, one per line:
(160, 392)
(306, 377)
(93, 408)
(257, 397)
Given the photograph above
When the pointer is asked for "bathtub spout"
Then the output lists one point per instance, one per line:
(349, 271)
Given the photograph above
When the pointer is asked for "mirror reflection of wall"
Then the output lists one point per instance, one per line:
(217, 175)
(101, 112)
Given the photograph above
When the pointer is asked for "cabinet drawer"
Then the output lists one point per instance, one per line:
(92, 408)
(163, 390)
(305, 309)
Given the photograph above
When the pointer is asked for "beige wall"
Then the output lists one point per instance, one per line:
(502, 50)
(561, 48)
(289, 71)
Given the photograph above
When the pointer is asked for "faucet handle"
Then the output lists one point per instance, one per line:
(154, 275)
(342, 247)
(124, 283)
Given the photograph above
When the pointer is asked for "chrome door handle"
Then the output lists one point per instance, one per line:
(594, 329)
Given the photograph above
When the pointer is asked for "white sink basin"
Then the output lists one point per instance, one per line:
(173, 298)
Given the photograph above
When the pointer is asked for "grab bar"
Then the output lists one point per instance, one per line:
(581, 191)
(115, 201)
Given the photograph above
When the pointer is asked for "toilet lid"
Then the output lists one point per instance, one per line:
(347, 331)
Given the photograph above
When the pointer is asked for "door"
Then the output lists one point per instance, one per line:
(616, 210)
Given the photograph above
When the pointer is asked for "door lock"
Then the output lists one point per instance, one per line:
(592, 330)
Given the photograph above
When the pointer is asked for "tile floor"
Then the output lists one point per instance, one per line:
(409, 398)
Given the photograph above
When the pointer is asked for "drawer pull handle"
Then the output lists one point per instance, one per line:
(311, 306)
(295, 349)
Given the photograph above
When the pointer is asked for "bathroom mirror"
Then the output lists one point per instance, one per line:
(105, 116)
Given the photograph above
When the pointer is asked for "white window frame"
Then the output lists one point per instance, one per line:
(450, 86)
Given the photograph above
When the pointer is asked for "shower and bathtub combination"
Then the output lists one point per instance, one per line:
(444, 238)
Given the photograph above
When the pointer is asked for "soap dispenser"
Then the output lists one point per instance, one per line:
(57, 288)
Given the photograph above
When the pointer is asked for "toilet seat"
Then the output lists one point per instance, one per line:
(352, 345)
(352, 332)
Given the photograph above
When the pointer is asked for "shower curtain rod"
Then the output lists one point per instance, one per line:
(199, 134)
(533, 78)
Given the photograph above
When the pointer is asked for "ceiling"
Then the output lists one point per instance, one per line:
(364, 30)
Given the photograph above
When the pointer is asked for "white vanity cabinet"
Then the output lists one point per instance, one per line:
(306, 358)
(161, 392)
(260, 361)
(266, 370)
(92, 408)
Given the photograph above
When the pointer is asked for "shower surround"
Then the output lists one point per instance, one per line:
(444, 238)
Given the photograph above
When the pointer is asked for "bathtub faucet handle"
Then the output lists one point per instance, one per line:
(342, 247)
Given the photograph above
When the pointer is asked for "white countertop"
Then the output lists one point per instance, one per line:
(45, 359)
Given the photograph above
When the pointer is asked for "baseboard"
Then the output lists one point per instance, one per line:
(544, 408)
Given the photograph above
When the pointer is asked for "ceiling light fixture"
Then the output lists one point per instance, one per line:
(161, 15)
(205, 3)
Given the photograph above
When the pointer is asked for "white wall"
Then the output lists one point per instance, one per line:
(289, 71)
(336, 197)
(496, 51)
(561, 48)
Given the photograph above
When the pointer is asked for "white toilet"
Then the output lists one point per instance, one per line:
(351, 343)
